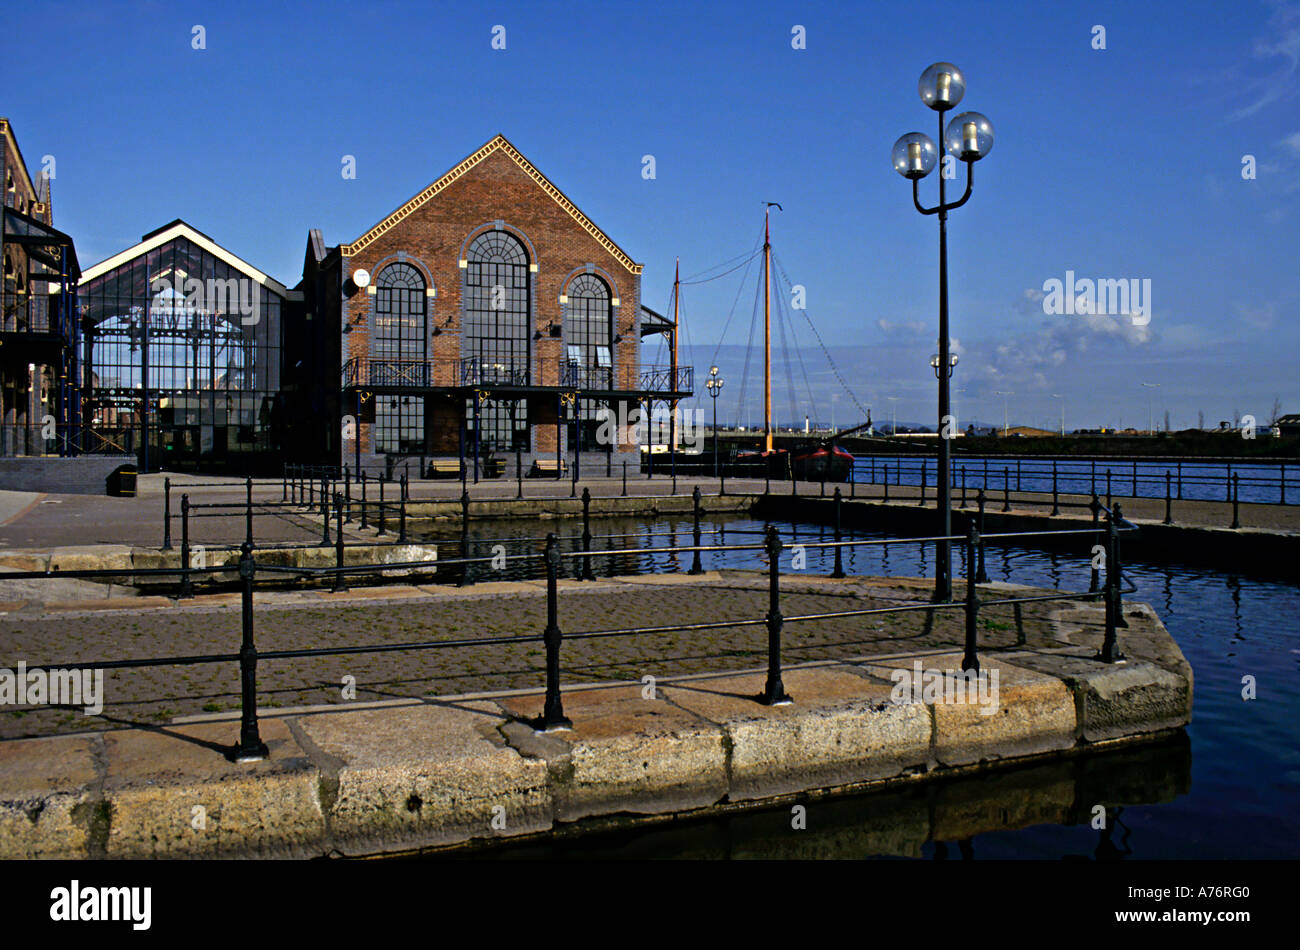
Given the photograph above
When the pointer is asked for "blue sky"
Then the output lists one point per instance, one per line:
(1117, 163)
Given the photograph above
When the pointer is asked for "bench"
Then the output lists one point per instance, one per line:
(548, 468)
(444, 468)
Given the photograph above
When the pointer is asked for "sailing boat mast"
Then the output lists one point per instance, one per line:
(767, 328)
(672, 385)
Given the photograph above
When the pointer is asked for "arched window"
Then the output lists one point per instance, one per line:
(399, 350)
(496, 332)
(399, 322)
(588, 332)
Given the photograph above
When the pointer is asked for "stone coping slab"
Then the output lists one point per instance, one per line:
(449, 772)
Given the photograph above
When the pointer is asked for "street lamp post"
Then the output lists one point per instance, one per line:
(1062, 398)
(969, 137)
(1004, 409)
(714, 386)
(1150, 419)
(893, 424)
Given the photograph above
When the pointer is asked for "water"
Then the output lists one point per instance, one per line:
(1230, 791)
(1261, 482)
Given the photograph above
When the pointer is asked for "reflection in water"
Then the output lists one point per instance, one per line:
(940, 819)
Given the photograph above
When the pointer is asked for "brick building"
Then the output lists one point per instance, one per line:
(485, 316)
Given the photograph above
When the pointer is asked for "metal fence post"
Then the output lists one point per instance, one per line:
(774, 690)
(167, 514)
(624, 478)
(1169, 498)
(970, 660)
(553, 712)
(1006, 489)
(284, 483)
(924, 477)
(464, 537)
(379, 528)
(340, 583)
(364, 507)
(250, 747)
(325, 519)
(587, 574)
(187, 589)
(886, 467)
(961, 476)
(839, 552)
(519, 471)
(696, 567)
(1056, 505)
(347, 493)
(1095, 505)
(401, 515)
(1114, 606)
(1236, 522)
(1108, 493)
(981, 576)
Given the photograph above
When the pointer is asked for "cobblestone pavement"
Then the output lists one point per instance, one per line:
(211, 624)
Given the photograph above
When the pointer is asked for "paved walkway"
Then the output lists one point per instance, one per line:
(156, 627)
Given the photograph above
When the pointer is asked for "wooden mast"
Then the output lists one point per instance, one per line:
(767, 335)
(672, 383)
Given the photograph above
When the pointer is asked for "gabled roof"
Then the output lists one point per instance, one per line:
(497, 144)
(179, 228)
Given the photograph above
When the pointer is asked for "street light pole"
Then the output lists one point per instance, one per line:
(714, 386)
(1062, 398)
(1004, 409)
(1150, 419)
(969, 137)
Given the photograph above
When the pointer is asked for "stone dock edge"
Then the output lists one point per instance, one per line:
(452, 773)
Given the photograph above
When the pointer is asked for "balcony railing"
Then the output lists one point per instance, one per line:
(514, 372)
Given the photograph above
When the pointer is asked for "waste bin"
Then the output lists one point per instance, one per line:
(121, 484)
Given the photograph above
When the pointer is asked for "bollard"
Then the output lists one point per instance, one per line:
(553, 711)
(248, 511)
(774, 690)
(364, 506)
(1236, 522)
(981, 576)
(587, 574)
(167, 513)
(1006, 489)
(696, 567)
(1095, 582)
(251, 748)
(1109, 652)
(340, 583)
(379, 528)
(1056, 506)
(186, 589)
(839, 552)
(970, 661)
(1169, 498)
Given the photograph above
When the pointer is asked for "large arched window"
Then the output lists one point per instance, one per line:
(588, 332)
(399, 322)
(399, 349)
(496, 332)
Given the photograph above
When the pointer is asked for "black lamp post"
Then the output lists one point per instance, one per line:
(714, 385)
(969, 137)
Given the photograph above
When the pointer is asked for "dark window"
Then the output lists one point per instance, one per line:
(399, 351)
(588, 345)
(496, 334)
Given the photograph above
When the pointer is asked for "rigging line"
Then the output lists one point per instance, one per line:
(790, 393)
(749, 351)
(695, 278)
(834, 369)
(798, 352)
(713, 361)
